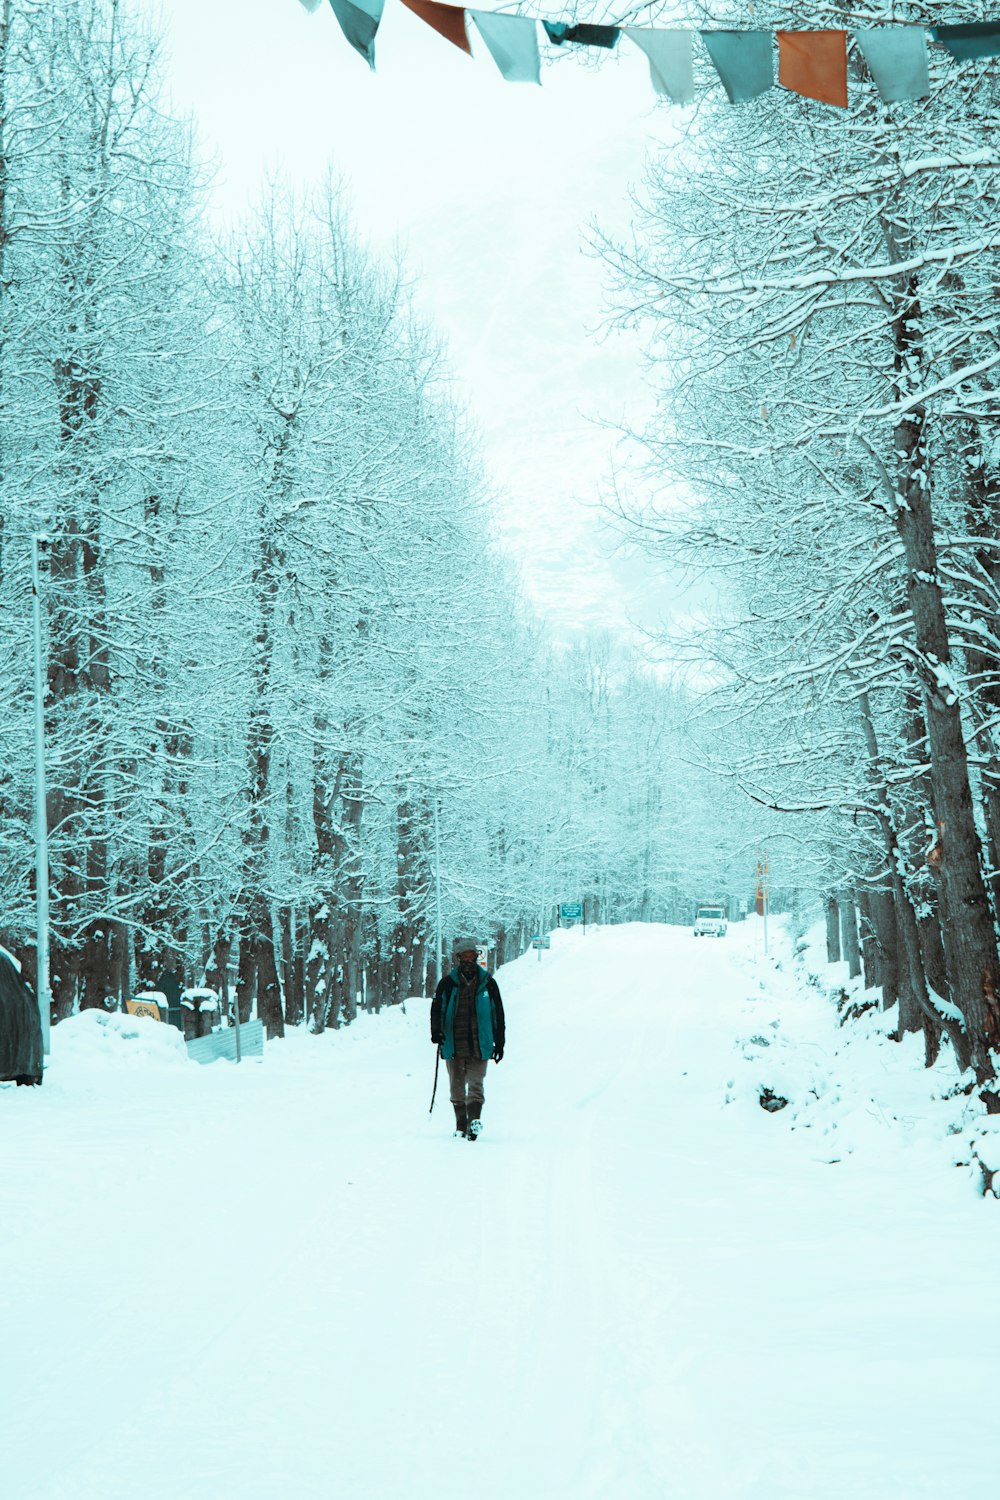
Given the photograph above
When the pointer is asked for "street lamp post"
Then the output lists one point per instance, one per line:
(438, 959)
(541, 912)
(41, 822)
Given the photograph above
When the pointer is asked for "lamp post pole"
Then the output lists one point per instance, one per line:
(438, 958)
(41, 822)
(541, 912)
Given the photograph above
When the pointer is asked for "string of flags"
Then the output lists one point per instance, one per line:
(810, 63)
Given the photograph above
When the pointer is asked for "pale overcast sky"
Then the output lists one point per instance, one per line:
(489, 188)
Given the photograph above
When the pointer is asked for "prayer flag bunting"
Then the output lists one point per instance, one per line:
(671, 61)
(448, 20)
(587, 36)
(513, 44)
(975, 39)
(359, 23)
(897, 57)
(742, 60)
(814, 64)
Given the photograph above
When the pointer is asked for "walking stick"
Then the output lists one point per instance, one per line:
(437, 1063)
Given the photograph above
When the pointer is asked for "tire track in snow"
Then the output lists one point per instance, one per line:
(587, 1328)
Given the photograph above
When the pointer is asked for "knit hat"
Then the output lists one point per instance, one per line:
(466, 945)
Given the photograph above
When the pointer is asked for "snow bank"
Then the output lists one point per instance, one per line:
(103, 1039)
(831, 1073)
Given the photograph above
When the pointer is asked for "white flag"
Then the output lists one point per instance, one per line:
(671, 65)
(897, 56)
(513, 43)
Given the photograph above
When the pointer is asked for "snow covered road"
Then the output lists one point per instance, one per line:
(287, 1280)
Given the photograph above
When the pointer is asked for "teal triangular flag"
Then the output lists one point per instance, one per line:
(671, 61)
(513, 45)
(743, 60)
(897, 57)
(359, 23)
(976, 39)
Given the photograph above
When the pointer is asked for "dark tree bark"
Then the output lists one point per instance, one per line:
(413, 884)
(849, 934)
(832, 931)
(246, 980)
(932, 949)
(914, 997)
(324, 959)
(292, 966)
(869, 953)
(217, 971)
(967, 933)
(258, 966)
(982, 492)
(269, 1000)
(372, 969)
(886, 938)
(353, 891)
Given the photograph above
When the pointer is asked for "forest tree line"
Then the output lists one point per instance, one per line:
(288, 674)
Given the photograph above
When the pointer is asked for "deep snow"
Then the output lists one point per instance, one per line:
(286, 1279)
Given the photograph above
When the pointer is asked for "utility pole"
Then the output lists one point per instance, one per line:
(545, 864)
(438, 960)
(41, 820)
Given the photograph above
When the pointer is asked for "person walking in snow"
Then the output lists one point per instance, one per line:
(467, 1023)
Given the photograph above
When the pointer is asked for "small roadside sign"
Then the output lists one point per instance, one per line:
(144, 1005)
(571, 911)
(541, 942)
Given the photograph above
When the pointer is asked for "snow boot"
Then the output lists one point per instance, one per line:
(461, 1119)
(475, 1124)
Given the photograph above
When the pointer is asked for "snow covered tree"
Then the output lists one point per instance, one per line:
(291, 680)
(819, 285)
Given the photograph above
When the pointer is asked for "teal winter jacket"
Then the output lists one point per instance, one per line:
(490, 1021)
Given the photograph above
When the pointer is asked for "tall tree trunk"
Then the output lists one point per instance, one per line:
(886, 938)
(832, 931)
(353, 889)
(291, 965)
(849, 934)
(869, 946)
(246, 977)
(982, 494)
(258, 965)
(413, 881)
(967, 934)
(217, 972)
(913, 984)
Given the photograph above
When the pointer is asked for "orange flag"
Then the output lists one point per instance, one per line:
(449, 20)
(814, 64)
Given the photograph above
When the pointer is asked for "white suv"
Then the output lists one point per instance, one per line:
(710, 921)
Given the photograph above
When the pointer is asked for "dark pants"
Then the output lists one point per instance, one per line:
(466, 1073)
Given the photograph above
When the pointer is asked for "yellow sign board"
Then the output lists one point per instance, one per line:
(144, 1008)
